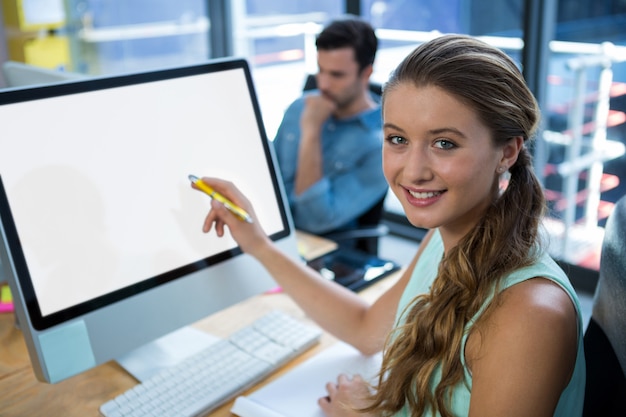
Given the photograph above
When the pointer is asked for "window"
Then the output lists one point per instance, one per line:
(585, 129)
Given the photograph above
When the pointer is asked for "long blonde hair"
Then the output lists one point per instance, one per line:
(430, 337)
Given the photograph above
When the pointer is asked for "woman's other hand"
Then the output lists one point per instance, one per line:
(345, 396)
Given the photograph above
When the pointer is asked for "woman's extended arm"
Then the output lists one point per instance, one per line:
(335, 308)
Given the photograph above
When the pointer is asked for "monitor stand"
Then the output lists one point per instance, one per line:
(164, 352)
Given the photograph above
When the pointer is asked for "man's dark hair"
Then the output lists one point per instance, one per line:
(352, 33)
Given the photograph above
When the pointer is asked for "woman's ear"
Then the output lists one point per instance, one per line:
(510, 152)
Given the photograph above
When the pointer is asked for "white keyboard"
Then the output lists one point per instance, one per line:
(213, 376)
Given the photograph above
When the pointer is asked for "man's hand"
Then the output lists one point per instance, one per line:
(317, 110)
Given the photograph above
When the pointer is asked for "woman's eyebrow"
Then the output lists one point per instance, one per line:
(443, 130)
(388, 125)
(438, 131)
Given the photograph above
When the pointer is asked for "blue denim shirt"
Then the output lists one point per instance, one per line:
(352, 173)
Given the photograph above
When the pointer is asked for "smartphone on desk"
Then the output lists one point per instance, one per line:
(352, 268)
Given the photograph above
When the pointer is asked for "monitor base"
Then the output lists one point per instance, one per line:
(166, 351)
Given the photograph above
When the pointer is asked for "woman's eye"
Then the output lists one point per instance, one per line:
(396, 140)
(444, 144)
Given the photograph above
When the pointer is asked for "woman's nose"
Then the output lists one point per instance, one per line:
(418, 165)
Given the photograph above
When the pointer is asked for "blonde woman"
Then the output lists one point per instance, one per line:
(482, 323)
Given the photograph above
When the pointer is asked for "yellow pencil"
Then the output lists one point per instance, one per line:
(237, 211)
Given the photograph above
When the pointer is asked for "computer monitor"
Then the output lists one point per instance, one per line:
(101, 230)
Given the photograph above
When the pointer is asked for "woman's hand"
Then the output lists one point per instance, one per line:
(249, 236)
(345, 396)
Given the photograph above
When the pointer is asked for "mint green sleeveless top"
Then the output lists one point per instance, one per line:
(571, 401)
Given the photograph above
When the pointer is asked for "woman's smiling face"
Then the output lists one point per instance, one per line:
(440, 159)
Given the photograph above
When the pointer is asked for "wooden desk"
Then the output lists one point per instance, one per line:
(81, 396)
(311, 246)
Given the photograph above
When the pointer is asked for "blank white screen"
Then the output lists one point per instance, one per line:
(98, 187)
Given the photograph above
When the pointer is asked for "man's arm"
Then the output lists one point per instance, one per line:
(317, 110)
(335, 200)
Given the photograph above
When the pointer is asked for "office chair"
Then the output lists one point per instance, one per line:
(368, 231)
(605, 337)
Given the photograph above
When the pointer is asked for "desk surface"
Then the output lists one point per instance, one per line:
(21, 394)
(311, 246)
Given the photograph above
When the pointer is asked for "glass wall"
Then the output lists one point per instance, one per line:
(278, 38)
(132, 35)
(585, 130)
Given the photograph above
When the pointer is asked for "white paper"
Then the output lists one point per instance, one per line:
(296, 393)
(245, 407)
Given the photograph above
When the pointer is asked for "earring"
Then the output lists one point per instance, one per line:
(500, 169)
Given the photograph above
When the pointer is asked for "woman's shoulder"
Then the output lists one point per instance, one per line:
(533, 330)
(535, 316)
(539, 297)
(539, 279)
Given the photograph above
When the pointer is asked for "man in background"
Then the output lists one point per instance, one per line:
(329, 143)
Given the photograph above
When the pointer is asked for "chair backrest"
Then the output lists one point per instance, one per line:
(366, 233)
(371, 219)
(605, 337)
(373, 216)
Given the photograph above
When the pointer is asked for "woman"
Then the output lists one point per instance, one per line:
(483, 322)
